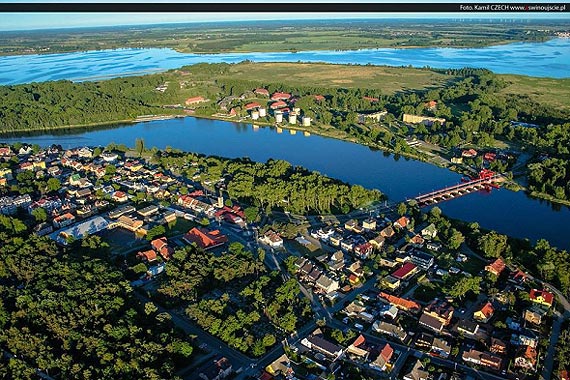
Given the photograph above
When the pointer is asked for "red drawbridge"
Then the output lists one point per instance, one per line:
(486, 180)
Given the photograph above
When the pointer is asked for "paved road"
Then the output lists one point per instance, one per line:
(554, 333)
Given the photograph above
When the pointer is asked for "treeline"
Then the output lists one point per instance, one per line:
(275, 184)
(41, 106)
(71, 314)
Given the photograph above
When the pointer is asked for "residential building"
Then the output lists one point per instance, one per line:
(496, 267)
(418, 372)
(369, 224)
(318, 343)
(382, 361)
(431, 322)
(417, 241)
(424, 341)
(525, 338)
(204, 238)
(482, 358)
(534, 315)
(161, 246)
(440, 347)
(327, 284)
(526, 358)
(542, 297)
(467, 327)
(194, 100)
(358, 348)
(391, 282)
(377, 242)
(281, 366)
(261, 91)
(484, 314)
(430, 232)
(120, 196)
(387, 232)
(363, 250)
(390, 329)
(64, 220)
(280, 96)
(402, 222)
(272, 239)
(400, 303)
(422, 259)
(406, 271)
(388, 311)
(497, 346)
(148, 255)
(440, 310)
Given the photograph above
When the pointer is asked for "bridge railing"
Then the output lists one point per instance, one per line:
(458, 186)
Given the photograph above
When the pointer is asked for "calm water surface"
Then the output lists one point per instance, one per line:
(505, 211)
(549, 59)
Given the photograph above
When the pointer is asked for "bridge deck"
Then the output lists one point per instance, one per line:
(458, 190)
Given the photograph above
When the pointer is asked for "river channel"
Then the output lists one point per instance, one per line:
(512, 213)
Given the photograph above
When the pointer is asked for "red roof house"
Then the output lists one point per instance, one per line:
(542, 297)
(149, 255)
(370, 99)
(251, 106)
(278, 104)
(319, 98)
(407, 270)
(195, 100)
(280, 96)
(205, 239)
(485, 313)
(402, 222)
(497, 267)
(401, 303)
(158, 244)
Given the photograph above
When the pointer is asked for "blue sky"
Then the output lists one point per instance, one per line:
(27, 21)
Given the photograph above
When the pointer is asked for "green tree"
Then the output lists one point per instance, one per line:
(493, 244)
(39, 214)
(53, 184)
(464, 285)
(139, 146)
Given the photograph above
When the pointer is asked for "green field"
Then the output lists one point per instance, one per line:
(387, 79)
(555, 92)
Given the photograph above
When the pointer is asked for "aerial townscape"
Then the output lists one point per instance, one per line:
(303, 219)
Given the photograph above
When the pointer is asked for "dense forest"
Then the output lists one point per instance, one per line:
(72, 315)
(275, 184)
(248, 303)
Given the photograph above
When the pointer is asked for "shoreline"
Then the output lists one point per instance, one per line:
(318, 132)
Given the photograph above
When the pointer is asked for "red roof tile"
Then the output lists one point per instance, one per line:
(404, 271)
